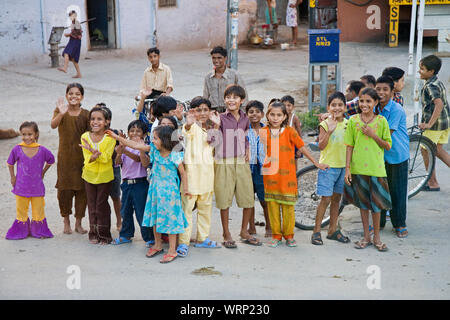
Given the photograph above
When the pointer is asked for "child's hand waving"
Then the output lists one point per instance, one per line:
(215, 118)
(190, 117)
(112, 134)
(332, 123)
(61, 106)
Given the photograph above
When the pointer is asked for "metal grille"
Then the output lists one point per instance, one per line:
(167, 3)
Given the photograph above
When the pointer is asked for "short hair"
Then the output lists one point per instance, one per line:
(75, 85)
(197, 101)
(164, 134)
(274, 100)
(30, 124)
(356, 86)
(163, 104)
(138, 124)
(153, 50)
(288, 98)
(393, 72)
(369, 78)
(432, 62)
(235, 89)
(254, 104)
(386, 79)
(72, 12)
(220, 50)
(337, 95)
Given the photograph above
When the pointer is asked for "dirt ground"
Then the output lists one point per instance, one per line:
(414, 268)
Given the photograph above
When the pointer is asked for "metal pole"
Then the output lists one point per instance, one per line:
(234, 23)
(418, 54)
(412, 31)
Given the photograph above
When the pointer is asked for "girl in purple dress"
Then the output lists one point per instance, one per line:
(72, 50)
(33, 161)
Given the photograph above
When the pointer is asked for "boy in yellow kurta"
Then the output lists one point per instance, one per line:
(199, 164)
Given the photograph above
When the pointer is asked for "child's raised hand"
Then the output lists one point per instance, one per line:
(214, 117)
(144, 93)
(62, 107)
(112, 134)
(190, 117)
(332, 123)
(86, 146)
(178, 112)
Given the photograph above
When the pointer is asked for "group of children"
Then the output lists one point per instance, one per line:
(176, 164)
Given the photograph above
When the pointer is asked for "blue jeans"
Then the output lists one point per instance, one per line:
(397, 177)
(134, 197)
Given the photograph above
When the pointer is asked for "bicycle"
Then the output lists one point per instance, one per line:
(419, 172)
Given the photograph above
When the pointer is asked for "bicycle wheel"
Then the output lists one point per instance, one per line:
(418, 172)
(308, 200)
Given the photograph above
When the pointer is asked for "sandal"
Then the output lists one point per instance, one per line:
(381, 246)
(274, 243)
(338, 236)
(153, 252)
(252, 241)
(291, 243)
(230, 244)
(167, 258)
(121, 240)
(207, 244)
(316, 239)
(182, 250)
(401, 232)
(362, 244)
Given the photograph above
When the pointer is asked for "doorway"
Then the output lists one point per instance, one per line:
(102, 30)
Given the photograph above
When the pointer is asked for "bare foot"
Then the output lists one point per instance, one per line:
(94, 241)
(79, 228)
(77, 76)
(62, 69)
(251, 231)
(67, 228)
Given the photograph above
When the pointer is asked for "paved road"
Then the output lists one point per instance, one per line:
(414, 268)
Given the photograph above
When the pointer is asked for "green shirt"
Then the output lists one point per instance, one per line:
(367, 157)
(334, 153)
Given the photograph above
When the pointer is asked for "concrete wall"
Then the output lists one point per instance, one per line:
(199, 23)
(363, 24)
(192, 24)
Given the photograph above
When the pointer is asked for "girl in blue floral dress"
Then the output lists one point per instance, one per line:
(163, 209)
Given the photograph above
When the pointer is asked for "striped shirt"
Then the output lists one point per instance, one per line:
(257, 153)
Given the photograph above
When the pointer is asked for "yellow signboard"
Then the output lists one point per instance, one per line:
(409, 2)
(393, 25)
(312, 3)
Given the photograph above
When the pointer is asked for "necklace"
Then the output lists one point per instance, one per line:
(367, 122)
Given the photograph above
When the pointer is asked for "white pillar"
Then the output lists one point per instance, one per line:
(412, 32)
(418, 54)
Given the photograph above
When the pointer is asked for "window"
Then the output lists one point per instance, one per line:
(167, 3)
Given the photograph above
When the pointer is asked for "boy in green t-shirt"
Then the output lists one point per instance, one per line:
(435, 113)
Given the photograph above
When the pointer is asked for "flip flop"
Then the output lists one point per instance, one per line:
(316, 239)
(252, 241)
(427, 188)
(168, 258)
(207, 244)
(230, 244)
(381, 246)
(182, 250)
(153, 252)
(401, 233)
(121, 240)
(362, 244)
(342, 238)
